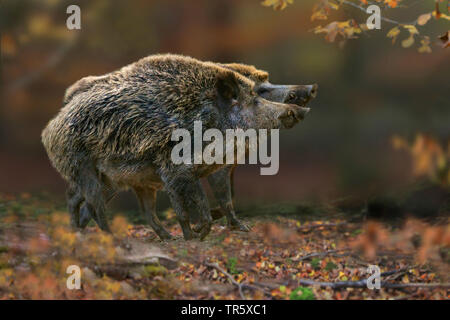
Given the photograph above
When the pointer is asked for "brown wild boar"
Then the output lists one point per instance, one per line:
(116, 134)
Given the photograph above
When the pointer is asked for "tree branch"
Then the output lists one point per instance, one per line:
(363, 284)
(383, 284)
(322, 254)
(354, 5)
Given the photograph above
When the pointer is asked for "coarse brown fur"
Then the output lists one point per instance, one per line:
(248, 71)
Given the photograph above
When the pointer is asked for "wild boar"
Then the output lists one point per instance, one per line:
(116, 134)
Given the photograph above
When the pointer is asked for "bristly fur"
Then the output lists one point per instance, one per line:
(130, 114)
(248, 71)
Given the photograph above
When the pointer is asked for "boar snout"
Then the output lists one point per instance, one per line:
(301, 95)
(292, 115)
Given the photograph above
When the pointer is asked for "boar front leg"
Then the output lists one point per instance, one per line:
(219, 181)
(147, 201)
(187, 197)
(221, 184)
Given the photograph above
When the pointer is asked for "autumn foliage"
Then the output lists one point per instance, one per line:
(351, 29)
(347, 147)
(271, 262)
(429, 157)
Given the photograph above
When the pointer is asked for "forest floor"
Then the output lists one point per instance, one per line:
(316, 253)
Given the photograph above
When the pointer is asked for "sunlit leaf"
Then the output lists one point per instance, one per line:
(425, 45)
(411, 29)
(423, 19)
(277, 4)
(408, 42)
(393, 33)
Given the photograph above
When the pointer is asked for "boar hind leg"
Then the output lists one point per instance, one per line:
(74, 200)
(187, 197)
(147, 201)
(95, 203)
(93, 197)
(221, 183)
(87, 212)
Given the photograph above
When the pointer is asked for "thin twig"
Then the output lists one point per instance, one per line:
(321, 254)
(395, 272)
(381, 17)
(362, 283)
(240, 286)
(415, 285)
(383, 284)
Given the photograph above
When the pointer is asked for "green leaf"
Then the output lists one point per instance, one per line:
(231, 265)
(154, 270)
(315, 263)
(330, 266)
(302, 293)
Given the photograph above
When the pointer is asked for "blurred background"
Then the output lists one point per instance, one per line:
(369, 90)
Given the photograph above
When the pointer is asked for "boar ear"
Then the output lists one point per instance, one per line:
(227, 85)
